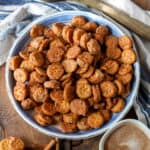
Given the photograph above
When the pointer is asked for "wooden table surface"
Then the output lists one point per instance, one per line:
(14, 125)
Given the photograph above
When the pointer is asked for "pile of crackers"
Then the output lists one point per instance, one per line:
(75, 75)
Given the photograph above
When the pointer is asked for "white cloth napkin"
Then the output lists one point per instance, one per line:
(131, 9)
(12, 25)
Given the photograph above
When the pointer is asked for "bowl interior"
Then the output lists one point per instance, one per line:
(53, 130)
(134, 122)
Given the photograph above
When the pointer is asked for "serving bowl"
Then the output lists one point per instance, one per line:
(65, 17)
(133, 122)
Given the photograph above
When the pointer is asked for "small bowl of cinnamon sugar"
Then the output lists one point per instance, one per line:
(129, 134)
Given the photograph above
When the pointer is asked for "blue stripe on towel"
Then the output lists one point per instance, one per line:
(2, 16)
(80, 7)
(145, 94)
(144, 104)
(13, 2)
(142, 110)
(47, 4)
(145, 74)
(63, 6)
(6, 11)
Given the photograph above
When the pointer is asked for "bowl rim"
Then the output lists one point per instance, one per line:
(53, 133)
(134, 122)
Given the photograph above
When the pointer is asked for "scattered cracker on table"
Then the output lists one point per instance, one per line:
(73, 75)
(13, 143)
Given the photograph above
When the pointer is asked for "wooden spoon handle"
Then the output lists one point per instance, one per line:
(50, 144)
(133, 24)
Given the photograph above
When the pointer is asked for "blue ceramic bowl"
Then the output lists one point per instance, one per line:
(52, 130)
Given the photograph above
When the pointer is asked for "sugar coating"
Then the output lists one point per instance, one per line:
(127, 137)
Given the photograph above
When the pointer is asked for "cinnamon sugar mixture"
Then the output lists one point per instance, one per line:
(127, 137)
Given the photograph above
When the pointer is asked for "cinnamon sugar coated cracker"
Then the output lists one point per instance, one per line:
(75, 75)
(12, 143)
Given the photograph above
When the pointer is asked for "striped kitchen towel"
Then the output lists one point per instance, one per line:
(15, 15)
